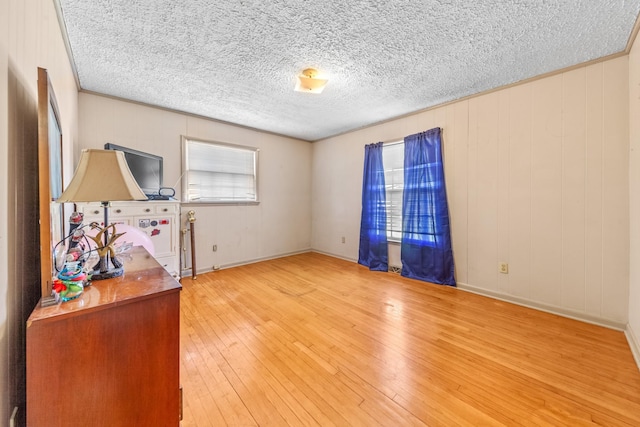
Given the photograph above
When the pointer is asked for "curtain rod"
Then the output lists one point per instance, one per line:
(393, 142)
(399, 140)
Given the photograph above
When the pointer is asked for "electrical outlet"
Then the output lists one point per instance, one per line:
(215, 248)
(503, 268)
(343, 239)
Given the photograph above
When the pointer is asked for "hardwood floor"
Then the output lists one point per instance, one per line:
(314, 340)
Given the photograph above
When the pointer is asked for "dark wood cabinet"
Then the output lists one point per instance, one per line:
(110, 357)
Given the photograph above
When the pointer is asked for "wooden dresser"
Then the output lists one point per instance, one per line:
(110, 357)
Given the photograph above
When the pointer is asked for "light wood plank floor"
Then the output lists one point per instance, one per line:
(312, 340)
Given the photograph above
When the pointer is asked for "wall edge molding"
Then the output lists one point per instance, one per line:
(187, 272)
(334, 255)
(633, 343)
(626, 328)
(559, 311)
(571, 314)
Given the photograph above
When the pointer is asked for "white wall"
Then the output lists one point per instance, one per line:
(29, 38)
(537, 176)
(279, 225)
(633, 329)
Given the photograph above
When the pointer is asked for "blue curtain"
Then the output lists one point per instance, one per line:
(373, 251)
(426, 252)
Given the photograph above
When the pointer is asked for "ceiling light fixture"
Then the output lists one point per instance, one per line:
(309, 82)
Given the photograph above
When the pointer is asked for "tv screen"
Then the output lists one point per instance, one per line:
(145, 167)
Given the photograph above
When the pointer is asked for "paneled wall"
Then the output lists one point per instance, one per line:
(278, 225)
(537, 176)
(29, 38)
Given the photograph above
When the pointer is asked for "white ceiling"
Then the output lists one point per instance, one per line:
(237, 61)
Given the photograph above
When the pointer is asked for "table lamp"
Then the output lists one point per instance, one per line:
(103, 176)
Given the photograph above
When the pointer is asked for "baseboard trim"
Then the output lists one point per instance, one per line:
(626, 328)
(334, 255)
(633, 344)
(545, 307)
(187, 272)
(524, 302)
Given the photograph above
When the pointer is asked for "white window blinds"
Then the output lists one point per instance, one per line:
(219, 173)
(393, 163)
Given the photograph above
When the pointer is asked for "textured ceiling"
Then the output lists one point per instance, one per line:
(237, 61)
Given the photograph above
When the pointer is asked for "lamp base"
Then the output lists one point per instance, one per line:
(103, 270)
(109, 274)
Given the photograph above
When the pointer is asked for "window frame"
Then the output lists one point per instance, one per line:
(185, 172)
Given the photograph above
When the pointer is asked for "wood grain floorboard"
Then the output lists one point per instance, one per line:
(311, 340)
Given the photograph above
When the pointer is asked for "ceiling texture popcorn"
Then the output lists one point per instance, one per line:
(238, 61)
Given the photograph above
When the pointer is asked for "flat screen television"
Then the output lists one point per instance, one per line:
(145, 167)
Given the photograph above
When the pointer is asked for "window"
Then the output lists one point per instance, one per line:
(425, 221)
(410, 207)
(393, 163)
(215, 172)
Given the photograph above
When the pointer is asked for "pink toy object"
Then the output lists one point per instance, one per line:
(132, 237)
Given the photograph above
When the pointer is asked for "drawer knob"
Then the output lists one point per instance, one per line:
(96, 212)
(164, 209)
(118, 210)
(147, 210)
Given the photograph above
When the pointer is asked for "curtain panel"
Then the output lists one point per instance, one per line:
(426, 251)
(373, 251)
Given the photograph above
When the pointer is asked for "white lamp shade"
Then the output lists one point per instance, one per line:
(309, 81)
(307, 84)
(102, 176)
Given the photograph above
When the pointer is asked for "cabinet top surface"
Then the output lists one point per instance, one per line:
(133, 202)
(143, 278)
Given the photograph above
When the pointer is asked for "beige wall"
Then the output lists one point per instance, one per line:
(29, 38)
(537, 176)
(279, 225)
(633, 329)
